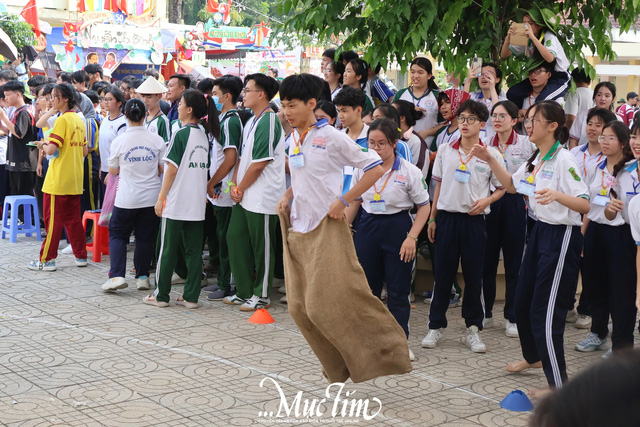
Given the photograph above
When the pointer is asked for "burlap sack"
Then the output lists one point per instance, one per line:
(351, 332)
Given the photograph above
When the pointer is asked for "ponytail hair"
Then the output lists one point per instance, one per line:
(135, 110)
(203, 106)
(68, 92)
(407, 110)
(426, 65)
(551, 111)
(361, 68)
(623, 135)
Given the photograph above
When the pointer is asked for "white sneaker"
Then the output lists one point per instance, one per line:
(412, 356)
(383, 294)
(583, 322)
(282, 289)
(284, 300)
(412, 297)
(254, 303)
(572, 316)
(142, 283)
(511, 330)
(233, 300)
(473, 340)
(488, 323)
(114, 283)
(177, 280)
(433, 337)
(67, 251)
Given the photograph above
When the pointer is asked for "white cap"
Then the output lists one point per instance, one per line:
(151, 86)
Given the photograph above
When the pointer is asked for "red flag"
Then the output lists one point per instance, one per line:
(77, 58)
(69, 28)
(30, 14)
(111, 5)
(122, 5)
(212, 6)
(69, 46)
(81, 7)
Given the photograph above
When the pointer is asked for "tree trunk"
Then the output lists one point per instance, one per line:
(175, 11)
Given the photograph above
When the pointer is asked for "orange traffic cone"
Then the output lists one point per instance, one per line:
(261, 317)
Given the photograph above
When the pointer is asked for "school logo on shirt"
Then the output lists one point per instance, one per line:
(193, 164)
(424, 183)
(516, 152)
(548, 43)
(481, 166)
(400, 179)
(431, 105)
(547, 172)
(573, 173)
(319, 143)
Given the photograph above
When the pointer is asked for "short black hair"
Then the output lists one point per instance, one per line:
(94, 68)
(135, 83)
(97, 86)
(230, 84)
(274, 71)
(329, 53)
(302, 86)
(151, 72)
(268, 84)
(80, 76)
(183, 79)
(92, 95)
(36, 81)
(580, 76)
(46, 89)
(128, 79)
(205, 85)
(14, 86)
(478, 109)
(328, 108)
(605, 115)
(65, 77)
(350, 97)
(348, 56)
(8, 75)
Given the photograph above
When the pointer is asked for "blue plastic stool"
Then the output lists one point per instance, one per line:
(31, 221)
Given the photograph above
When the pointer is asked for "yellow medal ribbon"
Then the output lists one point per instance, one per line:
(376, 197)
(530, 179)
(462, 167)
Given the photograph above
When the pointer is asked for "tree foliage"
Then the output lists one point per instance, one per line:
(452, 31)
(18, 31)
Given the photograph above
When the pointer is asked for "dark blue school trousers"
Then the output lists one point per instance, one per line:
(557, 86)
(144, 223)
(545, 291)
(378, 239)
(609, 273)
(506, 230)
(460, 238)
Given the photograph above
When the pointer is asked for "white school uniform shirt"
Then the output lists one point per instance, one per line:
(557, 170)
(263, 140)
(458, 196)
(405, 188)
(444, 137)
(318, 183)
(634, 218)
(109, 130)
(586, 161)
(579, 127)
(137, 153)
(579, 101)
(361, 141)
(600, 178)
(487, 131)
(429, 102)
(551, 42)
(335, 92)
(527, 102)
(230, 139)
(189, 152)
(515, 152)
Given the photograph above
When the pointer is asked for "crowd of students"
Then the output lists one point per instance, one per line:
(463, 174)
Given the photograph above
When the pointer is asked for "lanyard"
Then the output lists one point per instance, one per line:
(152, 118)
(532, 177)
(463, 165)
(419, 99)
(496, 141)
(376, 197)
(258, 117)
(301, 140)
(584, 162)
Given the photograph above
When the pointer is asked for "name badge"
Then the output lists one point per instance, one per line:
(630, 195)
(378, 206)
(462, 176)
(526, 188)
(296, 160)
(601, 200)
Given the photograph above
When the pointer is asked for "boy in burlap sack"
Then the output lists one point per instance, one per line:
(348, 328)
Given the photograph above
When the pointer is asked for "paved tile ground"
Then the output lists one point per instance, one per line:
(72, 355)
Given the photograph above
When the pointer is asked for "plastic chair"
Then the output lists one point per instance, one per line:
(10, 217)
(100, 245)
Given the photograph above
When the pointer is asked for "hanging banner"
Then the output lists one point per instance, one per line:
(109, 36)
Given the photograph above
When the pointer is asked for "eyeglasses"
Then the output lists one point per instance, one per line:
(374, 145)
(102, 99)
(499, 117)
(109, 99)
(537, 71)
(608, 140)
(529, 122)
(471, 119)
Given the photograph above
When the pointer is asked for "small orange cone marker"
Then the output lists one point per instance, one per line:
(261, 317)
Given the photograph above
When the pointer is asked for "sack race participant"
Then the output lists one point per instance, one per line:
(322, 273)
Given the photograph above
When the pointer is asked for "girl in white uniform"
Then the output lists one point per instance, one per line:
(549, 272)
(609, 271)
(488, 92)
(507, 221)
(333, 74)
(386, 236)
(423, 93)
(115, 124)
(633, 210)
(604, 96)
(418, 146)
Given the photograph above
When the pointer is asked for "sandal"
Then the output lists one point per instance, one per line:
(151, 300)
(186, 304)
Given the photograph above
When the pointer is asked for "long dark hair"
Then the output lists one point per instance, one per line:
(551, 111)
(426, 65)
(512, 109)
(361, 68)
(612, 89)
(117, 94)
(67, 91)
(388, 127)
(407, 110)
(623, 135)
(135, 110)
(337, 68)
(389, 112)
(203, 106)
